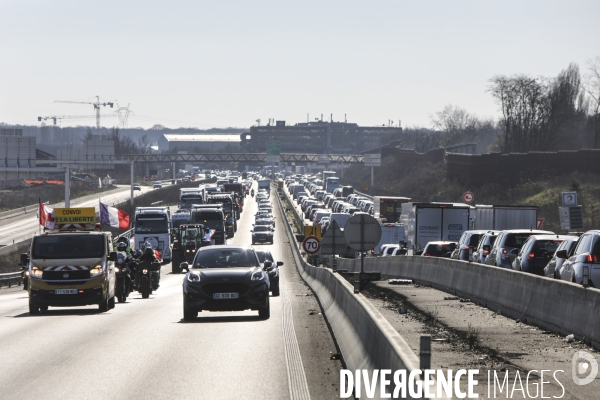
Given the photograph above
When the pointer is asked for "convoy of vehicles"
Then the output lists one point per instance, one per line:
(74, 268)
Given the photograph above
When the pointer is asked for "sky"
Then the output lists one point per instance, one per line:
(228, 63)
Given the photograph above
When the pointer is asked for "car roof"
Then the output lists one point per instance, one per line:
(553, 237)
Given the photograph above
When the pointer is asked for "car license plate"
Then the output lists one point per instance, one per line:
(65, 291)
(226, 295)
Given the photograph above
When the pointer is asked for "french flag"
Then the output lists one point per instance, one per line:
(114, 217)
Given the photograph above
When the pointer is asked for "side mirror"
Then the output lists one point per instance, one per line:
(562, 254)
(514, 251)
(24, 258)
(184, 266)
(112, 256)
(279, 263)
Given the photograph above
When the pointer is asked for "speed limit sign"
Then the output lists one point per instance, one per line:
(311, 245)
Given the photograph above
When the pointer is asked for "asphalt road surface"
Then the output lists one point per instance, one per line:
(142, 349)
(23, 226)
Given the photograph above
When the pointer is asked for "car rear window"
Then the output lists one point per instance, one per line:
(436, 250)
(546, 246)
(516, 240)
(474, 239)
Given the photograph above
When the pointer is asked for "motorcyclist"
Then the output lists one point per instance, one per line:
(148, 259)
(252, 193)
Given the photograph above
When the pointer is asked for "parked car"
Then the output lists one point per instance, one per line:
(439, 248)
(536, 252)
(500, 254)
(585, 256)
(468, 240)
(554, 265)
(483, 247)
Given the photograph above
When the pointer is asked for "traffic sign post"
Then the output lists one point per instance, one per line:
(468, 197)
(310, 230)
(311, 245)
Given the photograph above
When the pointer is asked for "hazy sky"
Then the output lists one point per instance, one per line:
(228, 63)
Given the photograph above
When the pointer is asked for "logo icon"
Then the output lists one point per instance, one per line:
(65, 275)
(584, 362)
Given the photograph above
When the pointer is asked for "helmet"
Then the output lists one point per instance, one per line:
(121, 246)
(123, 239)
(149, 251)
(138, 253)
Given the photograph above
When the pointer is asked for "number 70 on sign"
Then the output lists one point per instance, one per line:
(311, 245)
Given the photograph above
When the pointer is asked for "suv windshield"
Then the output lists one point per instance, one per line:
(225, 258)
(68, 246)
(262, 228)
(264, 255)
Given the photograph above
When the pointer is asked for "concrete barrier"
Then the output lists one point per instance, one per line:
(366, 339)
(18, 211)
(559, 306)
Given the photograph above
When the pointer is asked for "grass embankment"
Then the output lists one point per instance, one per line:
(428, 182)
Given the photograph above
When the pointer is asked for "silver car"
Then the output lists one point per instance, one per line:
(585, 260)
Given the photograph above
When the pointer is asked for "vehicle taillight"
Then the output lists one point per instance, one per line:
(592, 258)
(485, 251)
(531, 256)
(504, 251)
(427, 255)
(465, 247)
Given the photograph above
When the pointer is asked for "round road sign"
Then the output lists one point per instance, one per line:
(311, 244)
(193, 177)
(146, 177)
(468, 197)
(362, 232)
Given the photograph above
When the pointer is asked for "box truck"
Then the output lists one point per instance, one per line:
(426, 222)
(505, 217)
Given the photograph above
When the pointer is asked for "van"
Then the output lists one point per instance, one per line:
(70, 268)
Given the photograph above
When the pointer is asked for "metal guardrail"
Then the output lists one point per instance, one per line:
(11, 278)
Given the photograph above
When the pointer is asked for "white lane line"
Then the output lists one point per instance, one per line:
(293, 360)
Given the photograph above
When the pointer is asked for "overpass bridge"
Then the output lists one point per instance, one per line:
(244, 157)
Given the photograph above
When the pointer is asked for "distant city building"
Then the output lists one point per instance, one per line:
(316, 137)
(191, 143)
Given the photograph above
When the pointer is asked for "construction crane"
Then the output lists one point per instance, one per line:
(54, 118)
(96, 105)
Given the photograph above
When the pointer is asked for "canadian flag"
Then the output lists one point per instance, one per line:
(47, 217)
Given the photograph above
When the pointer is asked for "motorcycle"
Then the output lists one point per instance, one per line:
(124, 285)
(148, 276)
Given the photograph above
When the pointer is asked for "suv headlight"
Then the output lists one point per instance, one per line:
(36, 272)
(258, 276)
(96, 271)
(193, 277)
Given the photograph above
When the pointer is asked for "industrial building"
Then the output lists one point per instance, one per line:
(198, 143)
(319, 136)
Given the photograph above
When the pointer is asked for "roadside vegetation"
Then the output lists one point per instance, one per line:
(429, 183)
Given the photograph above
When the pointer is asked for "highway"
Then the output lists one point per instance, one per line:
(143, 349)
(23, 226)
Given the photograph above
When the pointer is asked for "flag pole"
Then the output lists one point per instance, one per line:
(39, 214)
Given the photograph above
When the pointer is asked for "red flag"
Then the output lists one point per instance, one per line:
(47, 217)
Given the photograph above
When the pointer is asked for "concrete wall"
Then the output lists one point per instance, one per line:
(556, 305)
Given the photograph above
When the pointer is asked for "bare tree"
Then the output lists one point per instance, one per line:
(592, 88)
(144, 144)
